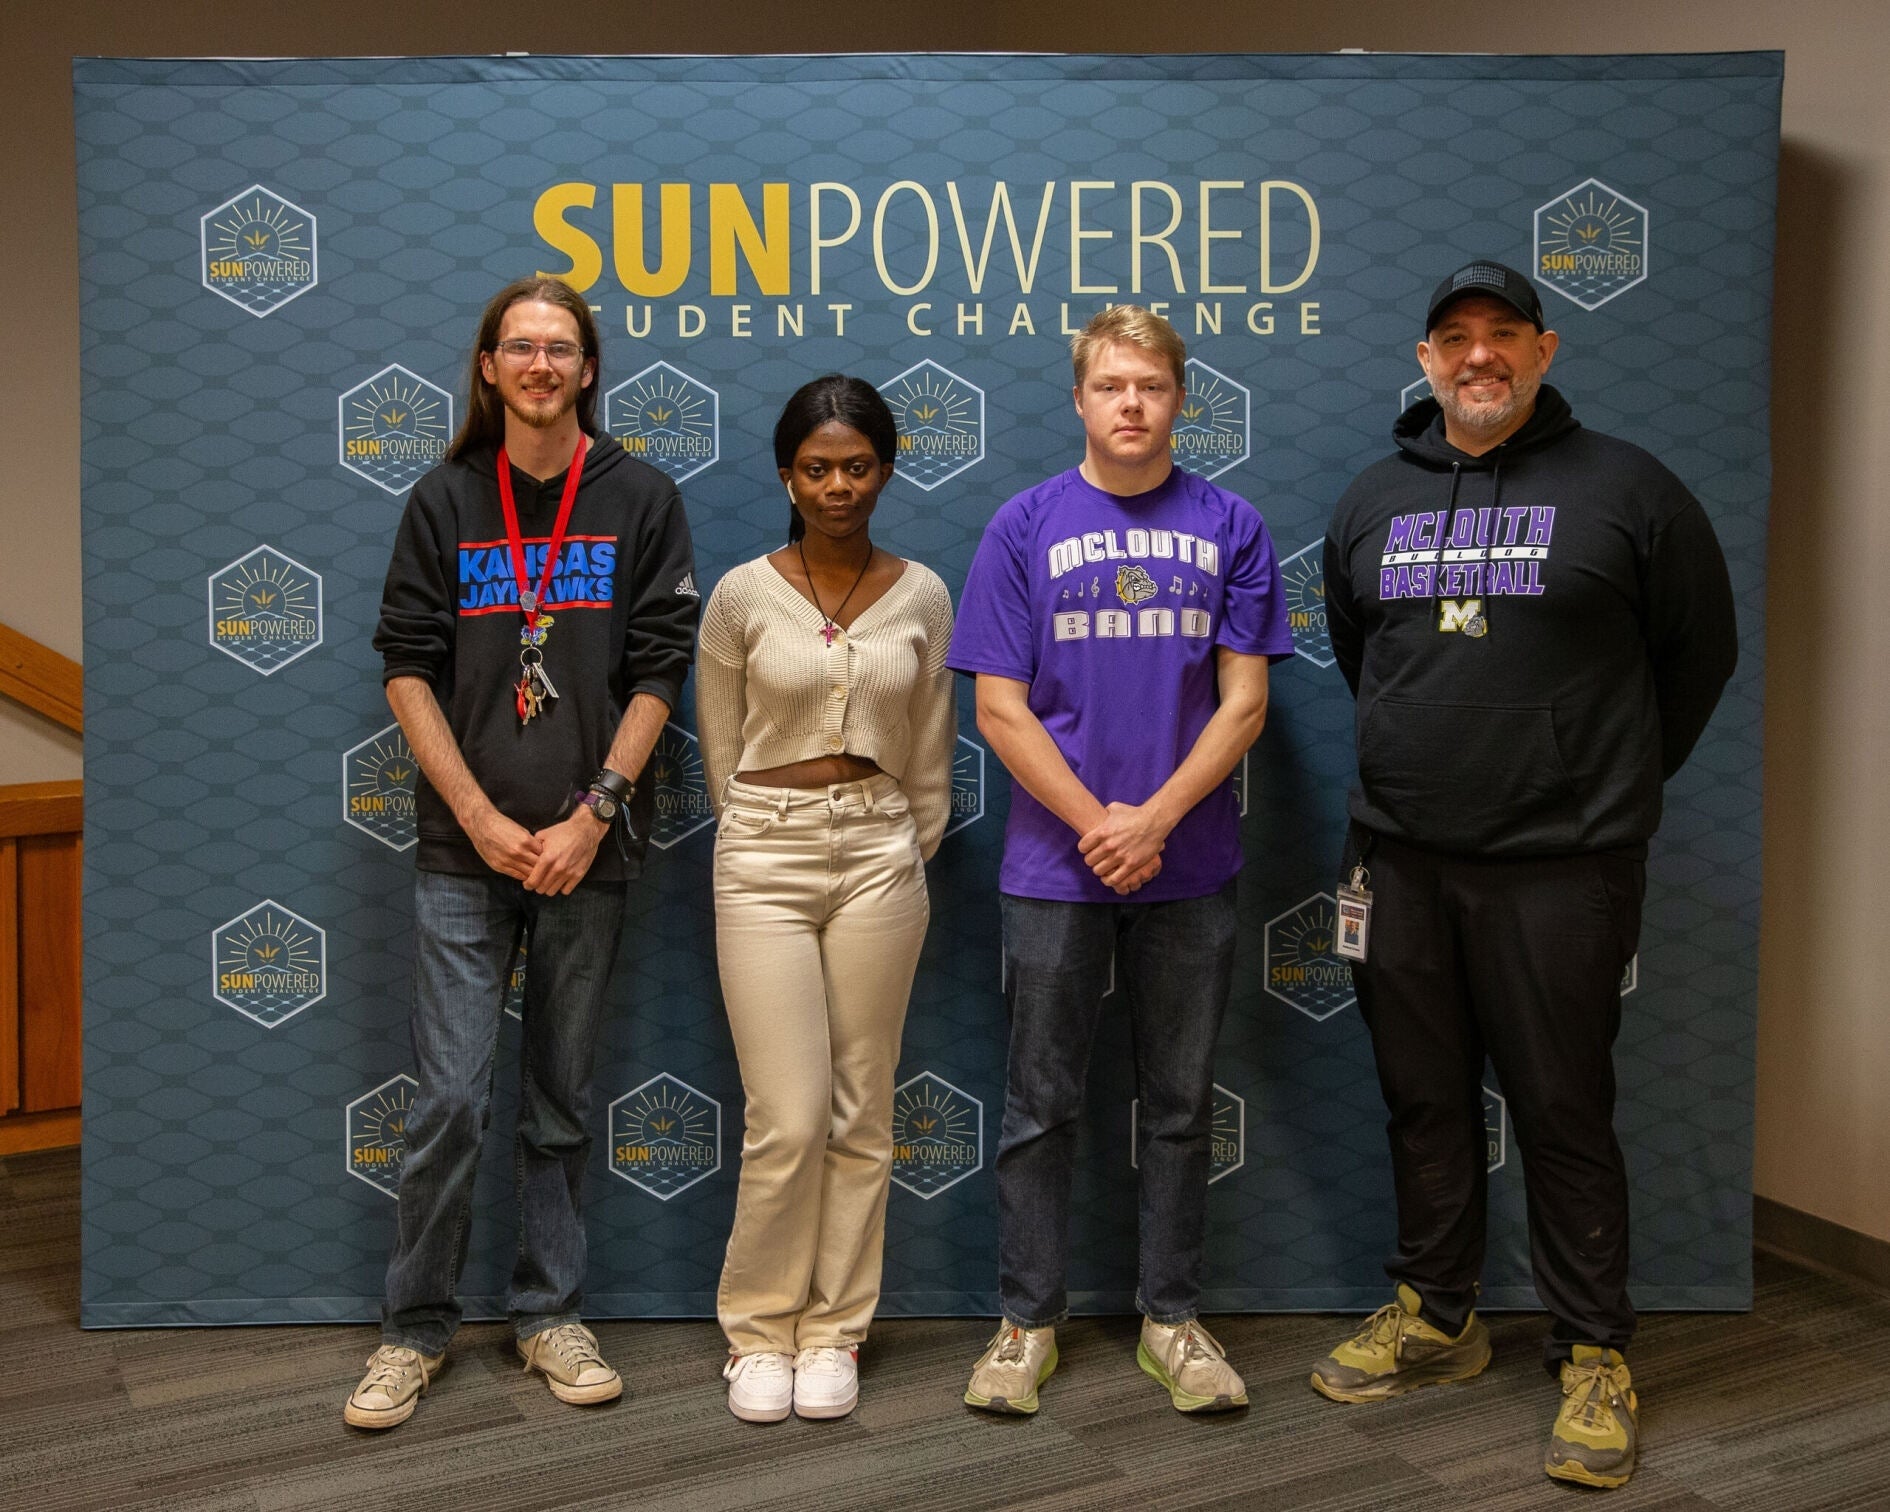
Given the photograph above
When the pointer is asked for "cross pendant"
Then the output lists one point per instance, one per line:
(827, 631)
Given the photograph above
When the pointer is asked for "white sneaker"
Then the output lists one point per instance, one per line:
(760, 1386)
(826, 1382)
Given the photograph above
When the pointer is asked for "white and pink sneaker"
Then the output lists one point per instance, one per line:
(826, 1382)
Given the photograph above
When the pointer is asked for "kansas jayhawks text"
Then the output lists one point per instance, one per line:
(1490, 552)
(583, 579)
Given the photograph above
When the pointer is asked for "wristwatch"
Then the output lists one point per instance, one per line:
(602, 805)
(608, 793)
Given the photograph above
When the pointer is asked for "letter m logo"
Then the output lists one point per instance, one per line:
(1454, 614)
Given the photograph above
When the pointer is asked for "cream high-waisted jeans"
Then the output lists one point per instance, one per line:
(820, 911)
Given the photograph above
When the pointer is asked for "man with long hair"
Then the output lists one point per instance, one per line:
(536, 627)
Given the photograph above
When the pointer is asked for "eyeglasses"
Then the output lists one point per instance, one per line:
(522, 353)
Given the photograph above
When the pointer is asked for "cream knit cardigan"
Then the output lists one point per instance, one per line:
(770, 690)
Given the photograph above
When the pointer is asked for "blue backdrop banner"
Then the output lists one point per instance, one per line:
(282, 265)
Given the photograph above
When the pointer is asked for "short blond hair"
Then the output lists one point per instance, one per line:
(1136, 327)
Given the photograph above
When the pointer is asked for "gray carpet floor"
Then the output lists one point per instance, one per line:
(1785, 1408)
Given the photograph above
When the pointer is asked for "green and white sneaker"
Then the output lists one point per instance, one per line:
(1397, 1351)
(1008, 1373)
(1597, 1431)
(1191, 1365)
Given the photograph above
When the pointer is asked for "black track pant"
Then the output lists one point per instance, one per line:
(1521, 960)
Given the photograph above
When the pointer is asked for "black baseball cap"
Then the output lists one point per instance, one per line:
(1493, 279)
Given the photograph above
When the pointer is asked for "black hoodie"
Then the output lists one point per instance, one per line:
(1609, 636)
(623, 603)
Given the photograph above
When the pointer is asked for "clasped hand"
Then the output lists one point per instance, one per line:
(1124, 848)
(553, 861)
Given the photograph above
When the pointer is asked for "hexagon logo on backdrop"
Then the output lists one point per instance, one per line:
(1301, 968)
(258, 250)
(377, 787)
(394, 427)
(938, 1135)
(377, 1133)
(269, 963)
(1304, 574)
(1591, 244)
(667, 419)
(941, 423)
(1214, 426)
(967, 785)
(1631, 975)
(1412, 392)
(665, 1136)
(515, 984)
(1227, 1138)
(682, 791)
(1496, 1128)
(265, 610)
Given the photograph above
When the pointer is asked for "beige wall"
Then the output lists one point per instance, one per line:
(1824, 1043)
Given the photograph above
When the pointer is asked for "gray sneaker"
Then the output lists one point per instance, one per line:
(1008, 1373)
(396, 1379)
(568, 1359)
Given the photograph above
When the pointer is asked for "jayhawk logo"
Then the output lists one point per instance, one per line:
(1134, 585)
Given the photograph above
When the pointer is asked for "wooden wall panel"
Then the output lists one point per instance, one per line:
(41, 1048)
(51, 1047)
(9, 977)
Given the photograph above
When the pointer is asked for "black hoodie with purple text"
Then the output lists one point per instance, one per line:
(1536, 636)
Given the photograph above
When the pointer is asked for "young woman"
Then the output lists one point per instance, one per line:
(827, 719)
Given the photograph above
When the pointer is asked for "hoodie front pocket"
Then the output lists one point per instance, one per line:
(1467, 777)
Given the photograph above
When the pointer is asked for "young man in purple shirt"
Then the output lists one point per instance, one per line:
(1119, 620)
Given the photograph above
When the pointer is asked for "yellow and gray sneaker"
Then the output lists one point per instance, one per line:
(1596, 1432)
(1008, 1373)
(1190, 1363)
(1397, 1351)
(568, 1358)
(396, 1379)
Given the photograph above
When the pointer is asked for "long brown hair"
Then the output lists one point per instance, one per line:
(484, 425)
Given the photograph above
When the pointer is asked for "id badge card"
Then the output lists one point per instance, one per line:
(1352, 937)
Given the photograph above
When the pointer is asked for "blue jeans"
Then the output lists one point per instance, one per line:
(466, 932)
(1174, 964)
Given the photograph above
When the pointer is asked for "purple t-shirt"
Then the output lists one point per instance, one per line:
(1110, 608)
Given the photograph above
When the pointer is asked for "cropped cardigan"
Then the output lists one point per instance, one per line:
(770, 690)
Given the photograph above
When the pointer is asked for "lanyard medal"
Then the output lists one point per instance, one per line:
(534, 687)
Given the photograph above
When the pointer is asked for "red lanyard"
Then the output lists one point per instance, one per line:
(531, 602)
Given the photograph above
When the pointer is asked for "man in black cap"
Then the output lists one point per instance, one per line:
(1537, 623)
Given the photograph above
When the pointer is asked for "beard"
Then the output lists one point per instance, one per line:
(1483, 418)
(542, 416)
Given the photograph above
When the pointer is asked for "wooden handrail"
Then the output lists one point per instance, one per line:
(43, 680)
(41, 808)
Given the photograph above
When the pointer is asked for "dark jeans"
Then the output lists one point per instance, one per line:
(1174, 964)
(1521, 960)
(466, 930)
